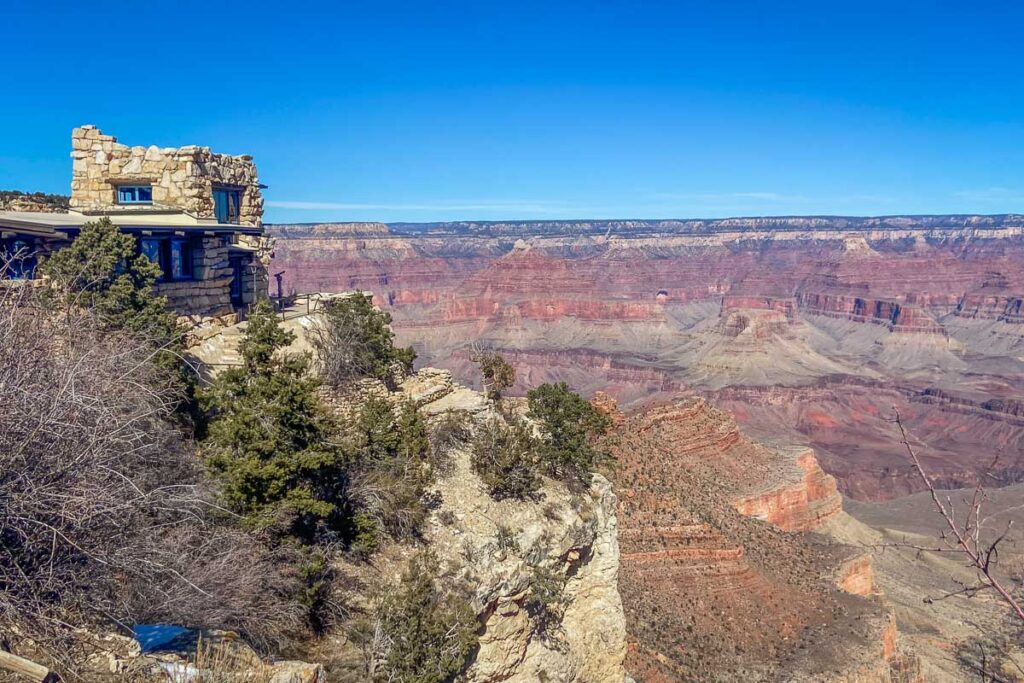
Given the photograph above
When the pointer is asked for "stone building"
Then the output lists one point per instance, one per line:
(197, 213)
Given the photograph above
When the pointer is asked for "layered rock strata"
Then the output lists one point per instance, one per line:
(643, 309)
(712, 593)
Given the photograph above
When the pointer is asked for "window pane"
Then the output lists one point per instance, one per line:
(177, 259)
(135, 194)
(17, 258)
(151, 249)
(220, 205)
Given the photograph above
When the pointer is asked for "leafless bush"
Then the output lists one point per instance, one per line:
(451, 429)
(504, 456)
(103, 521)
(966, 535)
(967, 532)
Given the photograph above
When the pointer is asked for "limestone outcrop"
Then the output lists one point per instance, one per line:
(572, 538)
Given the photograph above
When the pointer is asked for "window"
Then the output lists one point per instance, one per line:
(135, 194)
(173, 255)
(151, 248)
(17, 258)
(227, 204)
(237, 272)
(181, 260)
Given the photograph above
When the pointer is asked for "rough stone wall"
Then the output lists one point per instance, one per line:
(182, 178)
(209, 292)
(573, 537)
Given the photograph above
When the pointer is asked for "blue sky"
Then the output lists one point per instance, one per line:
(539, 110)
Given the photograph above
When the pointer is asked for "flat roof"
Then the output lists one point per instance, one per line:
(41, 223)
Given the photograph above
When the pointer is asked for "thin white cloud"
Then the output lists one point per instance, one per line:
(991, 194)
(530, 206)
(761, 196)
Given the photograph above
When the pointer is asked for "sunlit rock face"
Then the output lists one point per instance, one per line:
(809, 329)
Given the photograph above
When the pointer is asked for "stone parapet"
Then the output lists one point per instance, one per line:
(182, 178)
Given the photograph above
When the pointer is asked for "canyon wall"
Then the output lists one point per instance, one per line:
(719, 579)
(769, 307)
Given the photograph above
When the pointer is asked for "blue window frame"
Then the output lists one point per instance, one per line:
(135, 194)
(152, 248)
(237, 272)
(227, 204)
(173, 255)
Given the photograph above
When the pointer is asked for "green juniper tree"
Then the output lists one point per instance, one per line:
(269, 441)
(391, 451)
(354, 340)
(504, 456)
(498, 374)
(103, 271)
(425, 633)
(569, 424)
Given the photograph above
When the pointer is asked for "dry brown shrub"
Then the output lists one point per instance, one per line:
(104, 522)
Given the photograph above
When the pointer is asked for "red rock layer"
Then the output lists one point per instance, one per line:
(714, 595)
(857, 576)
(1001, 307)
(629, 307)
(932, 275)
(873, 466)
(898, 317)
(785, 306)
(802, 505)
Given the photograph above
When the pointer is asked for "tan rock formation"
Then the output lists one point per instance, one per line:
(574, 538)
(569, 538)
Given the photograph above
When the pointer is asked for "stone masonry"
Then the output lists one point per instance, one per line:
(182, 178)
(210, 292)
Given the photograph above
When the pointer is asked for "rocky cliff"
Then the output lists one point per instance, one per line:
(719, 579)
(574, 538)
(13, 200)
(497, 549)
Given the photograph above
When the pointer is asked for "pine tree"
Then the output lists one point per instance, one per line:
(427, 631)
(355, 340)
(569, 424)
(269, 441)
(102, 270)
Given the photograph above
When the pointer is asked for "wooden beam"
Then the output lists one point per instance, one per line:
(20, 665)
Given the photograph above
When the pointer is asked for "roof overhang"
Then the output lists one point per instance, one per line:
(29, 230)
(60, 224)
